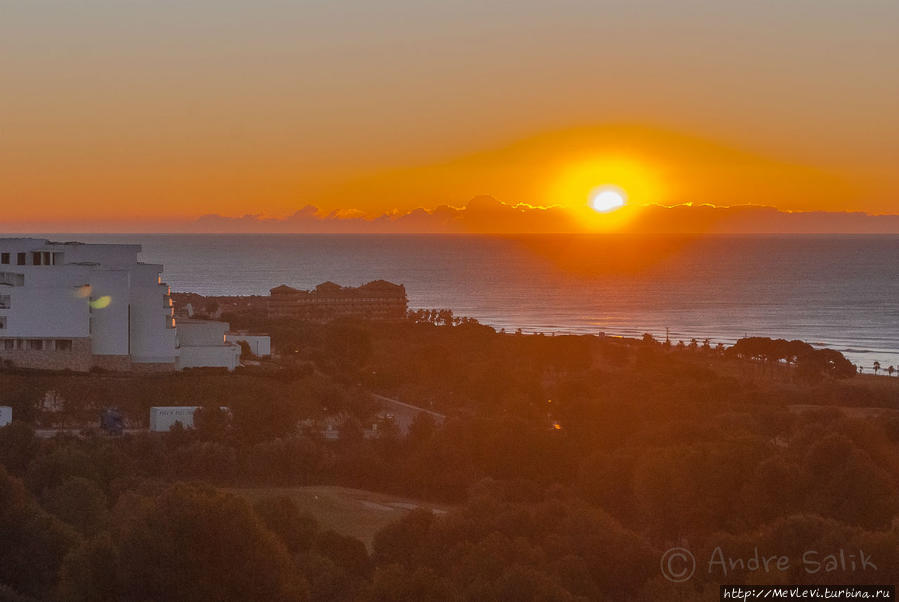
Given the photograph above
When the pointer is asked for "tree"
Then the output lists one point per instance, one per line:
(290, 461)
(211, 422)
(815, 363)
(246, 352)
(876, 367)
(87, 572)
(78, 502)
(347, 343)
(346, 552)
(836, 465)
(32, 542)
(351, 430)
(295, 529)
(401, 542)
(188, 543)
(51, 469)
(421, 430)
(524, 583)
(18, 446)
(394, 583)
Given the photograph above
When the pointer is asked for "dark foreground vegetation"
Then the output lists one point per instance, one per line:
(574, 464)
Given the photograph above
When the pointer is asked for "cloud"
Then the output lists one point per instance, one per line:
(753, 219)
(487, 215)
(482, 214)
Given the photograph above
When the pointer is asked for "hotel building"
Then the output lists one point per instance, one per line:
(78, 306)
(377, 300)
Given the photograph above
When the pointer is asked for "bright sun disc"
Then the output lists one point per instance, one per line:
(607, 200)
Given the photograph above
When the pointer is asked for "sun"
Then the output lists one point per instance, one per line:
(607, 199)
(586, 182)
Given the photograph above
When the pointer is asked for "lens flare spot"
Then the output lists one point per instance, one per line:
(83, 291)
(101, 302)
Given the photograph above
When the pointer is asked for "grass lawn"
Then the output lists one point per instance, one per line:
(354, 512)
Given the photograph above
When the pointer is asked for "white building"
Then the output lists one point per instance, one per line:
(203, 344)
(78, 306)
(5, 415)
(164, 418)
(260, 344)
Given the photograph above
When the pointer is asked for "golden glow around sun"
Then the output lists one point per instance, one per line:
(581, 180)
(593, 189)
(607, 199)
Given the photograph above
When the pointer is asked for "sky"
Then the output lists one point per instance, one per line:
(153, 114)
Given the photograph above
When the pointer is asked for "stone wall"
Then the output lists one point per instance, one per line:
(114, 363)
(78, 358)
(152, 367)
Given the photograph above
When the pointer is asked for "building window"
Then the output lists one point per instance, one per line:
(4, 301)
(36, 344)
(4, 258)
(12, 279)
(63, 345)
(2, 322)
(20, 258)
(36, 258)
(9, 344)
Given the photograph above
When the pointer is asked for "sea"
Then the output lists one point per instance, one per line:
(835, 291)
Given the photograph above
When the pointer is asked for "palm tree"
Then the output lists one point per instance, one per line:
(876, 367)
(890, 370)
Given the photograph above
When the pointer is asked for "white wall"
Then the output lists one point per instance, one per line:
(107, 255)
(260, 345)
(44, 300)
(153, 334)
(163, 418)
(110, 297)
(208, 356)
(48, 304)
(5, 415)
(201, 332)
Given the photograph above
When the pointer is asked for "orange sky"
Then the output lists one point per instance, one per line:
(154, 112)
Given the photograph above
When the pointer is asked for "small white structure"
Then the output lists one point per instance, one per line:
(260, 344)
(162, 419)
(202, 344)
(5, 415)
